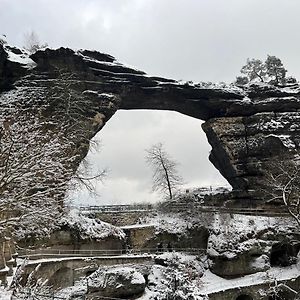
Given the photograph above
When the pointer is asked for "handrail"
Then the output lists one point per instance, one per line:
(122, 207)
(103, 253)
(174, 206)
(52, 296)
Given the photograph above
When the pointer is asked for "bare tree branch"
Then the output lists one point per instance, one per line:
(38, 156)
(283, 185)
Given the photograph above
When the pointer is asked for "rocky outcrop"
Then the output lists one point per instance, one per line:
(68, 97)
(243, 148)
(150, 237)
(10, 70)
(78, 232)
(238, 245)
(239, 265)
(119, 282)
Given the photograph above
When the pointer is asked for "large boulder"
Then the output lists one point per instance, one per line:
(239, 265)
(76, 231)
(117, 282)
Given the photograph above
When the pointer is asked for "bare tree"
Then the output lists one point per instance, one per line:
(281, 290)
(32, 289)
(32, 180)
(79, 115)
(165, 175)
(32, 42)
(87, 178)
(39, 156)
(283, 186)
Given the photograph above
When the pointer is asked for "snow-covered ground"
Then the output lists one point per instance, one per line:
(213, 283)
(4, 294)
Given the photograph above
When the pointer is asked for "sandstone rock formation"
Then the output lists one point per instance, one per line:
(240, 245)
(117, 282)
(78, 232)
(63, 98)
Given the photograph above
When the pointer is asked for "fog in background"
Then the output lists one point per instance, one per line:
(199, 40)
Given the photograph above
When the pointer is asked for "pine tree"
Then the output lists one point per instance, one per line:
(275, 70)
(271, 71)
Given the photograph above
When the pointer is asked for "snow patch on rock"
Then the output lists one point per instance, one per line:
(20, 57)
(91, 228)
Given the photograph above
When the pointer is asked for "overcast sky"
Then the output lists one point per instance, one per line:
(199, 40)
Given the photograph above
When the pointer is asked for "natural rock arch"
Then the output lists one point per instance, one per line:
(234, 117)
(240, 123)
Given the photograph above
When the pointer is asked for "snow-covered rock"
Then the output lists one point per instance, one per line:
(240, 245)
(90, 228)
(179, 277)
(77, 231)
(116, 282)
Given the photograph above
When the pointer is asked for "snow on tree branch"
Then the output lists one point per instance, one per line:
(41, 146)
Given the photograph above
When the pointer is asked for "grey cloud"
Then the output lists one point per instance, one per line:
(190, 40)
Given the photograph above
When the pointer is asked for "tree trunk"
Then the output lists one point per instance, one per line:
(168, 181)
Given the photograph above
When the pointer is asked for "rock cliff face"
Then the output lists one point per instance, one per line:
(69, 96)
(243, 148)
